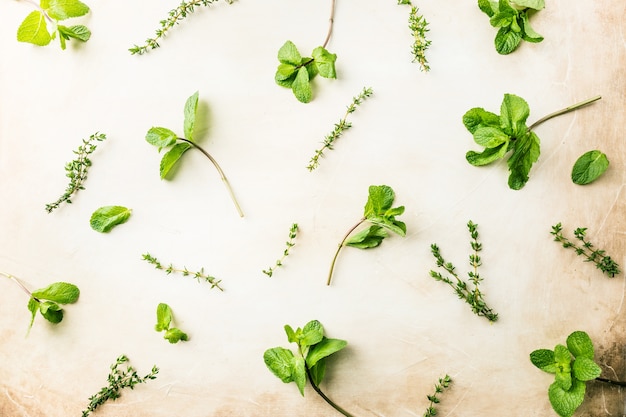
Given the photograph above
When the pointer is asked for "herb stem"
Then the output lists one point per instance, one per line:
(612, 382)
(19, 283)
(341, 245)
(564, 111)
(321, 394)
(331, 21)
(220, 171)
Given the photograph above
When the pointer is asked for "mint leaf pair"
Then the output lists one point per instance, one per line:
(164, 320)
(512, 20)
(35, 27)
(572, 366)
(46, 301)
(297, 72)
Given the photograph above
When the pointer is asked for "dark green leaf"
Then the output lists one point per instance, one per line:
(312, 333)
(513, 114)
(64, 9)
(51, 311)
(544, 360)
(525, 153)
(60, 292)
(318, 371)
(175, 335)
(507, 40)
(488, 156)
(164, 317)
(301, 87)
(281, 362)
(368, 238)
(171, 157)
(33, 30)
(589, 167)
(191, 106)
(580, 345)
(161, 137)
(479, 117)
(106, 218)
(585, 369)
(565, 402)
(288, 54)
(324, 62)
(490, 137)
(323, 349)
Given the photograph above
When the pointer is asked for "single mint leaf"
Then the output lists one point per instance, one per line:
(368, 238)
(301, 87)
(488, 156)
(479, 117)
(175, 335)
(488, 7)
(60, 292)
(161, 137)
(324, 61)
(323, 349)
(513, 114)
(164, 317)
(390, 223)
(51, 312)
(589, 167)
(544, 360)
(64, 9)
(288, 54)
(528, 32)
(380, 199)
(171, 157)
(191, 107)
(533, 4)
(79, 32)
(525, 154)
(285, 81)
(562, 357)
(490, 137)
(318, 371)
(312, 333)
(299, 373)
(107, 217)
(291, 335)
(33, 30)
(585, 369)
(565, 402)
(33, 306)
(285, 71)
(507, 40)
(281, 362)
(580, 345)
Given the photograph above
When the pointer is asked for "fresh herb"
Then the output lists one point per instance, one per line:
(165, 138)
(310, 360)
(42, 26)
(200, 275)
(589, 167)
(444, 383)
(512, 20)
(175, 16)
(598, 256)
(76, 170)
(473, 297)
(107, 217)
(46, 300)
(572, 365)
(340, 127)
(290, 243)
(419, 27)
(381, 218)
(164, 320)
(508, 132)
(118, 379)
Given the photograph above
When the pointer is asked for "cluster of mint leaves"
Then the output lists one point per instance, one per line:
(512, 20)
(46, 301)
(296, 72)
(164, 321)
(41, 26)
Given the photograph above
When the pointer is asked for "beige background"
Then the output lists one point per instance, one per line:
(404, 329)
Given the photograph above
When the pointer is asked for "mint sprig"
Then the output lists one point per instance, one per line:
(165, 316)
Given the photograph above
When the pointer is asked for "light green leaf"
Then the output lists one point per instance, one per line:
(33, 306)
(323, 349)
(312, 333)
(368, 238)
(585, 369)
(171, 157)
(390, 223)
(64, 9)
(191, 107)
(380, 199)
(175, 335)
(324, 61)
(301, 87)
(544, 360)
(488, 156)
(589, 167)
(311, 69)
(161, 137)
(479, 117)
(33, 30)
(281, 362)
(318, 371)
(513, 114)
(107, 217)
(533, 4)
(60, 292)
(288, 54)
(164, 317)
(285, 81)
(525, 154)
(580, 345)
(507, 40)
(563, 379)
(51, 311)
(565, 402)
(490, 137)
(291, 335)
(299, 373)
(504, 16)
(285, 71)
(488, 7)
(528, 33)
(562, 357)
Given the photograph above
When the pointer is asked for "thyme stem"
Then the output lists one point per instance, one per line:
(341, 245)
(564, 111)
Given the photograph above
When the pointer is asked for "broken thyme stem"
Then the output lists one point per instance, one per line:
(219, 169)
(341, 245)
(321, 394)
(564, 111)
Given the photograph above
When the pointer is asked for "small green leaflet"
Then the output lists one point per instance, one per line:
(171, 157)
(107, 217)
(164, 320)
(589, 167)
(47, 301)
(191, 108)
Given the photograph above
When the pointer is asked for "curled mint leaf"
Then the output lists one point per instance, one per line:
(368, 238)
(171, 157)
(175, 335)
(580, 345)
(323, 349)
(164, 317)
(51, 311)
(565, 402)
(107, 217)
(589, 167)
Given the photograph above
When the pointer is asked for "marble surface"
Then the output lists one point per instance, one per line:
(404, 329)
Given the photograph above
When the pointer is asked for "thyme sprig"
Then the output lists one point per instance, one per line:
(175, 16)
(444, 383)
(598, 256)
(118, 379)
(474, 297)
(290, 243)
(419, 28)
(76, 170)
(199, 275)
(340, 127)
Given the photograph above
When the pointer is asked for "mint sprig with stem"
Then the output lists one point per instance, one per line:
(419, 27)
(293, 230)
(508, 132)
(41, 26)
(169, 269)
(472, 296)
(118, 379)
(162, 137)
(586, 249)
(340, 127)
(309, 362)
(573, 366)
(442, 384)
(174, 17)
(381, 217)
(76, 170)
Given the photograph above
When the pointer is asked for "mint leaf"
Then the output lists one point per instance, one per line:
(525, 153)
(507, 40)
(288, 54)
(33, 306)
(580, 345)
(589, 167)
(490, 137)
(60, 292)
(488, 156)
(33, 30)
(79, 32)
(285, 71)
(367, 238)
(161, 137)
(585, 369)
(324, 61)
(64, 9)
(528, 32)
(323, 349)
(299, 373)
(544, 360)
(301, 87)
(312, 333)
(318, 371)
(107, 217)
(291, 335)
(164, 317)
(380, 199)
(191, 106)
(533, 4)
(513, 114)
(51, 311)
(488, 7)
(281, 362)
(479, 117)
(565, 402)
(175, 335)
(171, 157)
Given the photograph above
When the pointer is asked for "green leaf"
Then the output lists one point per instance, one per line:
(60, 292)
(301, 87)
(161, 137)
(33, 306)
(507, 40)
(533, 4)
(324, 61)
(285, 71)
(175, 335)
(164, 317)
(323, 349)
(585, 369)
(528, 32)
(504, 15)
(564, 379)
(281, 362)
(171, 157)
(310, 68)
(318, 371)
(490, 137)
(107, 217)
(368, 238)
(488, 156)
(64, 9)
(544, 360)
(33, 30)
(580, 345)
(513, 114)
(299, 373)
(288, 54)
(191, 106)
(488, 7)
(479, 117)
(562, 357)
(79, 32)
(589, 167)
(51, 311)
(565, 402)
(380, 199)
(285, 82)
(390, 223)
(291, 335)
(525, 154)
(312, 333)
